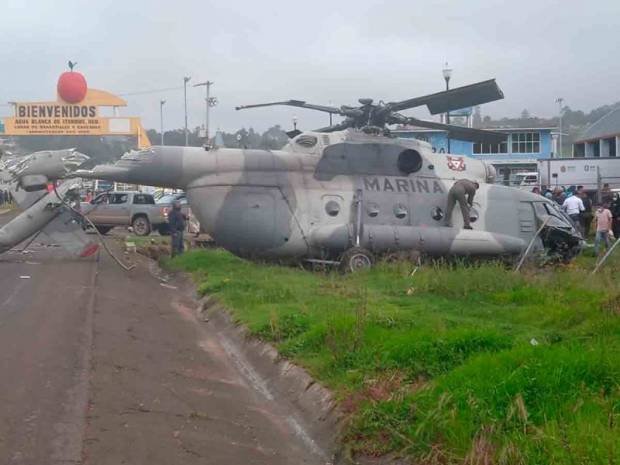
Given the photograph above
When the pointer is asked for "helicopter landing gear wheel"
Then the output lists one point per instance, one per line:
(356, 259)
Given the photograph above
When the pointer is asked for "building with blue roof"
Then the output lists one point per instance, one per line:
(519, 154)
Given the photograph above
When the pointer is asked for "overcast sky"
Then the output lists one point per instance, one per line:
(319, 51)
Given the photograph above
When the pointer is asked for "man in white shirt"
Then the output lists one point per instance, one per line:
(573, 206)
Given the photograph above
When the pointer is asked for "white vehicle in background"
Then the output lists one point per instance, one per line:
(526, 181)
(591, 173)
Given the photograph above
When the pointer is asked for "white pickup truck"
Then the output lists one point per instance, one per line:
(133, 209)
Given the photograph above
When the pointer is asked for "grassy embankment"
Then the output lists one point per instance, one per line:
(450, 365)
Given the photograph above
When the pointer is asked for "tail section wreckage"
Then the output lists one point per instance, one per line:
(45, 206)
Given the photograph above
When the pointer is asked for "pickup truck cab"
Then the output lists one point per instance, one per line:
(134, 209)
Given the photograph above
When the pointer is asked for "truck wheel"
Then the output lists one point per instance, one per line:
(141, 226)
(356, 259)
(103, 230)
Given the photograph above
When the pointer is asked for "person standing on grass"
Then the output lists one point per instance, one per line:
(573, 206)
(615, 212)
(604, 221)
(587, 215)
(176, 220)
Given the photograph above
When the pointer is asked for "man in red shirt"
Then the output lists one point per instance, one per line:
(603, 226)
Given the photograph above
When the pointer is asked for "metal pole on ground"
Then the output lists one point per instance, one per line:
(529, 246)
(605, 257)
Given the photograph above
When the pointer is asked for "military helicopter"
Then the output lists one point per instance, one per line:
(349, 192)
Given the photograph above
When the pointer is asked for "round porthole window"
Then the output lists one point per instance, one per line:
(473, 214)
(372, 209)
(332, 208)
(400, 211)
(437, 214)
(409, 161)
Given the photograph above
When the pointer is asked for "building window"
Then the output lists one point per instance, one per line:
(526, 142)
(491, 148)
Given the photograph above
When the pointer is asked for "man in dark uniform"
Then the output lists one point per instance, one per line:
(176, 220)
(463, 192)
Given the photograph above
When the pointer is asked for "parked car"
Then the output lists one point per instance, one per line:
(133, 209)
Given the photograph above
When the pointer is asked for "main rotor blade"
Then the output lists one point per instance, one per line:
(453, 99)
(294, 103)
(461, 133)
(336, 127)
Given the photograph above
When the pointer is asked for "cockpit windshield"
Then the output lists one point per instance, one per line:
(557, 219)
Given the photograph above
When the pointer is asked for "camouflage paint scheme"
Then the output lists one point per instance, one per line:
(326, 192)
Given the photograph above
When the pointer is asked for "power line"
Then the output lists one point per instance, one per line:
(128, 94)
(154, 91)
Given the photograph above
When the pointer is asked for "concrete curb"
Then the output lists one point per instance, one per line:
(310, 402)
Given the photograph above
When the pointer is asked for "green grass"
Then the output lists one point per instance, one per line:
(455, 364)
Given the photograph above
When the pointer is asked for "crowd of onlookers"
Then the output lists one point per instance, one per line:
(5, 197)
(579, 206)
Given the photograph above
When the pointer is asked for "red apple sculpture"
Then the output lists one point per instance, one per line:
(72, 87)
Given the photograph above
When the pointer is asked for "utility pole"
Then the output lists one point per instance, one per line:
(186, 79)
(447, 74)
(209, 102)
(560, 101)
(161, 119)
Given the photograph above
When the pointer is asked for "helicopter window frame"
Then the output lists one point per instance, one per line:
(474, 215)
(409, 161)
(401, 211)
(332, 208)
(437, 213)
(372, 209)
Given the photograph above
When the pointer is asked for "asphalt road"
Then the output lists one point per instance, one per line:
(45, 330)
(99, 366)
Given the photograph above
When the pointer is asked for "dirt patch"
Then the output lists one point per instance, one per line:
(168, 386)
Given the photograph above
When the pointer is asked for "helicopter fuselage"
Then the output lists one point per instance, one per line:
(325, 193)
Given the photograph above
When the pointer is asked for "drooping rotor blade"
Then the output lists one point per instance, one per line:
(294, 103)
(292, 134)
(453, 99)
(462, 133)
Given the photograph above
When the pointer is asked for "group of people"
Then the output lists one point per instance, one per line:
(5, 197)
(578, 205)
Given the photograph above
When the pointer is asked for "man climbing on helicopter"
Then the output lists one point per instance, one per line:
(463, 192)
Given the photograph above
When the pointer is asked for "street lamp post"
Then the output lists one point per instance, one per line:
(447, 73)
(186, 79)
(209, 102)
(560, 101)
(161, 119)
(330, 115)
